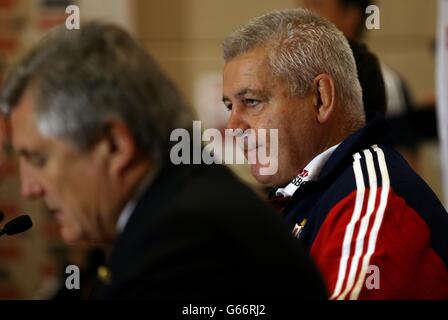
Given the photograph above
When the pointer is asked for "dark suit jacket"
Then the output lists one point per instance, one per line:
(198, 233)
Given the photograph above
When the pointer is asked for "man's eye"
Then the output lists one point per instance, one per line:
(228, 106)
(37, 161)
(251, 102)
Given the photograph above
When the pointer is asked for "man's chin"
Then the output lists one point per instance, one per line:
(264, 179)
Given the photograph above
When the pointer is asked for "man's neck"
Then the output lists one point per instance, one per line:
(129, 186)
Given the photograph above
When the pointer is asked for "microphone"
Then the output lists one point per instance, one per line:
(17, 225)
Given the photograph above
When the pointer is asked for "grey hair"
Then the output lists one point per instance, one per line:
(82, 78)
(301, 45)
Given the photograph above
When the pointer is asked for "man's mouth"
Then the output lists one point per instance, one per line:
(252, 148)
(251, 155)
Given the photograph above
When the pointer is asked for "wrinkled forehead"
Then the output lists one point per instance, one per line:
(253, 63)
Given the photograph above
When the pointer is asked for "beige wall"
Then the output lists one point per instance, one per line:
(185, 35)
(403, 42)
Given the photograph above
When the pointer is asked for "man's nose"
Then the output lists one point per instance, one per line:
(31, 187)
(237, 120)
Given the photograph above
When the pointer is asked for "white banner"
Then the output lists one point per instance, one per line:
(442, 91)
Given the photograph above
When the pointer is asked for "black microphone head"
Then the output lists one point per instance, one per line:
(2, 216)
(18, 225)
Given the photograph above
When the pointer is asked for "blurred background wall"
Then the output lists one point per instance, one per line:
(185, 37)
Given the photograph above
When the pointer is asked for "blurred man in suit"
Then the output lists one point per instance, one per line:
(91, 118)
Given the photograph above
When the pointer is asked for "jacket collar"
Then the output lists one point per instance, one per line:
(375, 132)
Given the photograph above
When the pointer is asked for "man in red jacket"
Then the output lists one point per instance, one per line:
(375, 229)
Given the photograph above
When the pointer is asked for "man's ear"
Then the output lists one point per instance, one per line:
(324, 97)
(120, 144)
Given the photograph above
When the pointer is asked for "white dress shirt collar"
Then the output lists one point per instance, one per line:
(132, 203)
(310, 173)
